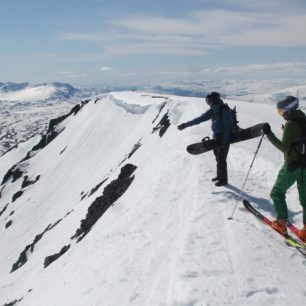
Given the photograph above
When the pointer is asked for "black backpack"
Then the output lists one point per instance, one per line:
(301, 144)
(235, 127)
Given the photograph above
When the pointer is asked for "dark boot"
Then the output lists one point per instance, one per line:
(220, 183)
(215, 179)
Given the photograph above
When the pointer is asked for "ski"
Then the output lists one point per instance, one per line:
(289, 240)
(265, 220)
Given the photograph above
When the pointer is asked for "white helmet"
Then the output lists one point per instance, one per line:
(289, 103)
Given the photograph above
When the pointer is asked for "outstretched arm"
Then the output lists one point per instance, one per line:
(204, 117)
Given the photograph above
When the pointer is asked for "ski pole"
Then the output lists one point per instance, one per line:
(239, 197)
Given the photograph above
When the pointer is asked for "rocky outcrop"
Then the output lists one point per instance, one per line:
(112, 192)
(163, 125)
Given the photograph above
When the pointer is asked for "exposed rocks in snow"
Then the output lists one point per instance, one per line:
(53, 123)
(158, 97)
(26, 182)
(93, 190)
(17, 195)
(63, 150)
(161, 108)
(134, 149)
(83, 195)
(52, 258)
(163, 125)
(112, 192)
(56, 121)
(4, 209)
(13, 303)
(1, 191)
(14, 172)
(45, 140)
(23, 257)
(52, 133)
(8, 224)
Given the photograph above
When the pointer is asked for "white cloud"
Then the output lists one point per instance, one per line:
(104, 68)
(198, 33)
(225, 28)
(285, 67)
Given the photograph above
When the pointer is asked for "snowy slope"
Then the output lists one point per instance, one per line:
(163, 237)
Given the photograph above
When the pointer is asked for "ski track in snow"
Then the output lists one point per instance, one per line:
(167, 240)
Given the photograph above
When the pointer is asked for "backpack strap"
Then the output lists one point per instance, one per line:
(302, 155)
(296, 143)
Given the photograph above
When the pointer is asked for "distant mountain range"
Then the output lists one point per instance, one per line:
(26, 109)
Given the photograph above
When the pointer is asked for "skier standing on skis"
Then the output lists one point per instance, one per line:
(292, 171)
(221, 117)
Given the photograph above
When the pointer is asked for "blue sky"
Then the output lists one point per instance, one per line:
(122, 42)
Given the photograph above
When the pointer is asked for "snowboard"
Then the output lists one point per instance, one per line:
(208, 144)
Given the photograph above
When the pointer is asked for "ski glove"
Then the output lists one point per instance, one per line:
(182, 126)
(266, 129)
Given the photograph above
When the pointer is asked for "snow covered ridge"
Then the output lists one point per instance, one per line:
(26, 92)
(109, 209)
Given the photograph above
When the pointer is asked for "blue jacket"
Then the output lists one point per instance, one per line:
(221, 121)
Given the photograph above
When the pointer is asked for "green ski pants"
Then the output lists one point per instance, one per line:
(284, 181)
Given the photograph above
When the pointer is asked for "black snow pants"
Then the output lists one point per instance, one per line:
(221, 156)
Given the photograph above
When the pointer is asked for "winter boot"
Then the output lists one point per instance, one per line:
(215, 179)
(220, 183)
(302, 234)
(280, 226)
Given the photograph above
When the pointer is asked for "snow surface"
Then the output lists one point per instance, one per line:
(167, 239)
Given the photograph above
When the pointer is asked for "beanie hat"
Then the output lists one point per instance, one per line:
(214, 96)
(289, 103)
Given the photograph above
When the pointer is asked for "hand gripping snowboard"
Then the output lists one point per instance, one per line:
(208, 144)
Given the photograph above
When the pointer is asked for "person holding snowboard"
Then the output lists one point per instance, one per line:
(292, 170)
(221, 126)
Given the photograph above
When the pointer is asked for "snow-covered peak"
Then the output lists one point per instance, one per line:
(27, 92)
(9, 86)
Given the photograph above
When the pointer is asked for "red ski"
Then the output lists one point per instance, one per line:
(291, 241)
